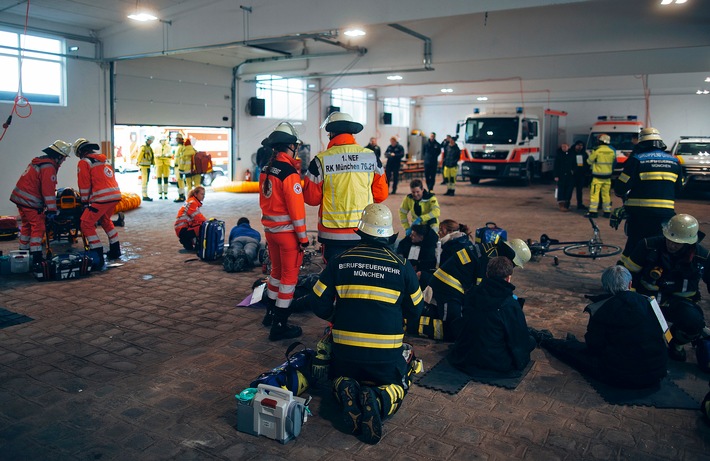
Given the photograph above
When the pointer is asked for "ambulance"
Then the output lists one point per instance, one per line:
(517, 143)
(621, 130)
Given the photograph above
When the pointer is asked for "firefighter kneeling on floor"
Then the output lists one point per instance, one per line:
(367, 293)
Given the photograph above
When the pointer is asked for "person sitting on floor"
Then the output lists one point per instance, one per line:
(419, 248)
(453, 237)
(422, 205)
(189, 219)
(467, 268)
(494, 338)
(243, 251)
(624, 340)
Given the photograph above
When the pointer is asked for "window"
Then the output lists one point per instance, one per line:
(353, 102)
(41, 68)
(285, 97)
(399, 108)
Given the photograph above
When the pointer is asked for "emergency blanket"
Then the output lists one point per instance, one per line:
(446, 378)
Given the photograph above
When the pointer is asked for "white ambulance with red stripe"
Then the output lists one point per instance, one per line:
(623, 131)
(515, 143)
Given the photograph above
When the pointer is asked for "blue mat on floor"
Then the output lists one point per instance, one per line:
(9, 318)
(446, 378)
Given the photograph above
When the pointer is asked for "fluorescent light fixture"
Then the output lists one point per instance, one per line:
(142, 17)
(668, 2)
(354, 32)
(482, 98)
(707, 79)
(73, 48)
(311, 85)
(394, 77)
(447, 90)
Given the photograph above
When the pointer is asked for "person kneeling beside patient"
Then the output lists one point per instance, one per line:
(624, 340)
(189, 219)
(494, 338)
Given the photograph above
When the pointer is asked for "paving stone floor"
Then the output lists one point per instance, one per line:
(141, 362)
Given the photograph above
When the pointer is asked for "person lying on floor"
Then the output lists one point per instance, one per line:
(624, 341)
(494, 338)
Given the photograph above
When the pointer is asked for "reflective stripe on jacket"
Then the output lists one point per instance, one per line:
(186, 155)
(602, 161)
(37, 184)
(281, 197)
(97, 181)
(651, 180)
(145, 156)
(374, 291)
(429, 210)
(189, 216)
(343, 180)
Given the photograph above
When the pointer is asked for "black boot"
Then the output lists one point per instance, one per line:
(179, 199)
(280, 329)
(37, 257)
(114, 251)
(269, 315)
(121, 219)
(97, 258)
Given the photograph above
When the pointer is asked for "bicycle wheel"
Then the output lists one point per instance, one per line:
(596, 250)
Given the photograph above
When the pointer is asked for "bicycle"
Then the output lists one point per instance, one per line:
(312, 262)
(593, 248)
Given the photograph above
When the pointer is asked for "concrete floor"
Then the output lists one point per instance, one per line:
(142, 362)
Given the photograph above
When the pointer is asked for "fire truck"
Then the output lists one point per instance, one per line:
(514, 143)
(621, 130)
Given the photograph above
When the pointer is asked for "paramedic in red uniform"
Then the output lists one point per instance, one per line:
(36, 198)
(284, 218)
(189, 218)
(99, 194)
(343, 180)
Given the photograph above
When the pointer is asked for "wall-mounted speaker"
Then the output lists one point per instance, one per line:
(256, 107)
(331, 109)
(386, 118)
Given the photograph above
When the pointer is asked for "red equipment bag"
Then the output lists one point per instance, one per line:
(202, 163)
(8, 227)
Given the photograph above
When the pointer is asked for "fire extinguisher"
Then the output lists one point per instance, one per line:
(247, 175)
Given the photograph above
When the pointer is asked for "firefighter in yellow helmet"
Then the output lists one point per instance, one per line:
(146, 159)
(367, 293)
(602, 161)
(670, 267)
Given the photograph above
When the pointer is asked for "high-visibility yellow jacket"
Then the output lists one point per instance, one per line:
(427, 208)
(343, 180)
(145, 156)
(186, 155)
(602, 161)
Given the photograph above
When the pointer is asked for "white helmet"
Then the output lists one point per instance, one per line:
(604, 138)
(682, 228)
(59, 147)
(340, 122)
(82, 145)
(376, 221)
(284, 133)
(522, 252)
(650, 134)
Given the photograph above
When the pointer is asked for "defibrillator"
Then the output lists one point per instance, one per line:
(274, 412)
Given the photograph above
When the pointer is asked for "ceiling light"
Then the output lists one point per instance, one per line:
(142, 17)
(447, 90)
(668, 2)
(394, 77)
(311, 85)
(354, 32)
(482, 98)
(73, 48)
(707, 79)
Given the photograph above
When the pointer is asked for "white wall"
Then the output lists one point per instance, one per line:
(84, 116)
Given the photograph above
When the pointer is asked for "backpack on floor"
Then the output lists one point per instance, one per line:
(210, 242)
(294, 374)
(489, 233)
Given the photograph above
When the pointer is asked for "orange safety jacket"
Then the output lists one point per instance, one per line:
(97, 181)
(189, 216)
(37, 184)
(343, 180)
(281, 197)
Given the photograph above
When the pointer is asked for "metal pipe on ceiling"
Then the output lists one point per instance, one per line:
(427, 41)
(350, 74)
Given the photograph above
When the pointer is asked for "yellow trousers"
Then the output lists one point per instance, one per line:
(600, 190)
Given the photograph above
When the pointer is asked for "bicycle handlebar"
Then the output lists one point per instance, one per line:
(594, 225)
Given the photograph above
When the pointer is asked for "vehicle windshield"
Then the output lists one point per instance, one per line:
(619, 141)
(693, 148)
(502, 130)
